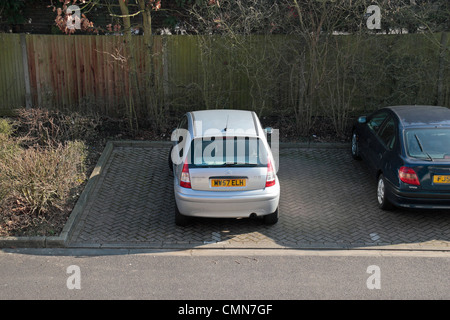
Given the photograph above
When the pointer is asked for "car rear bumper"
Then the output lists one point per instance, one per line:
(227, 204)
(418, 199)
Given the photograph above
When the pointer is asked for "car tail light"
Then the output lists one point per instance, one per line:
(409, 176)
(185, 180)
(270, 180)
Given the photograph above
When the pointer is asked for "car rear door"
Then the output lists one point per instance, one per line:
(430, 150)
(228, 164)
(384, 149)
(371, 146)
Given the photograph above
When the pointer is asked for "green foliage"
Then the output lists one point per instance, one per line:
(6, 127)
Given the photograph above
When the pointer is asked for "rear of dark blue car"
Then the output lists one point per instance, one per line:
(424, 177)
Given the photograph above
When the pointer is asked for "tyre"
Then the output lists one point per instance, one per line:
(170, 160)
(383, 202)
(271, 218)
(355, 146)
(180, 220)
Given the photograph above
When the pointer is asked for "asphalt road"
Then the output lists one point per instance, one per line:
(223, 274)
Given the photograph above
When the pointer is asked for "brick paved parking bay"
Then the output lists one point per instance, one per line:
(327, 201)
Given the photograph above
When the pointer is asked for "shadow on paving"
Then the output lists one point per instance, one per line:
(327, 201)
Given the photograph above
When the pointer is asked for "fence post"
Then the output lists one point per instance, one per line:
(26, 75)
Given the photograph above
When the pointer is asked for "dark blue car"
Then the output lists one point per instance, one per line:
(407, 148)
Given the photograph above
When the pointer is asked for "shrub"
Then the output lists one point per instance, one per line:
(8, 148)
(6, 127)
(42, 177)
(42, 167)
(50, 128)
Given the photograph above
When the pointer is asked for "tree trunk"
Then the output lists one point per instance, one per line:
(148, 54)
(134, 94)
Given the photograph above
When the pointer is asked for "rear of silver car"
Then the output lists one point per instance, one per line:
(249, 196)
(229, 176)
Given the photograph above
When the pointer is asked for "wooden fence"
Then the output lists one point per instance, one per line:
(69, 72)
(12, 72)
(93, 73)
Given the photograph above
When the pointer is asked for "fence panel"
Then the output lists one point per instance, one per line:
(12, 84)
(94, 73)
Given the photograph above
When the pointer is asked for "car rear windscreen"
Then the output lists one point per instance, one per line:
(227, 151)
(431, 143)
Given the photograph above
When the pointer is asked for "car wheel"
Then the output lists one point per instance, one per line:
(355, 146)
(180, 220)
(170, 159)
(383, 202)
(271, 218)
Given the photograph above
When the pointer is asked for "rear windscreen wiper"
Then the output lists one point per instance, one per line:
(239, 165)
(222, 165)
(421, 148)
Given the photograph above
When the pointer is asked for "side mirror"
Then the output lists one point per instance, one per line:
(362, 119)
(268, 131)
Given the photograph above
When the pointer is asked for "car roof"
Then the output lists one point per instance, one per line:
(223, 121)
(422, 115)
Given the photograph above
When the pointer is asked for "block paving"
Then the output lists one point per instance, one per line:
(327, 201)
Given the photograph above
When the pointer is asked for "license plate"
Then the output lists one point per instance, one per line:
(441, 179)
(228, 183)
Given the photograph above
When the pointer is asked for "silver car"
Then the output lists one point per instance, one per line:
(223, 167)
